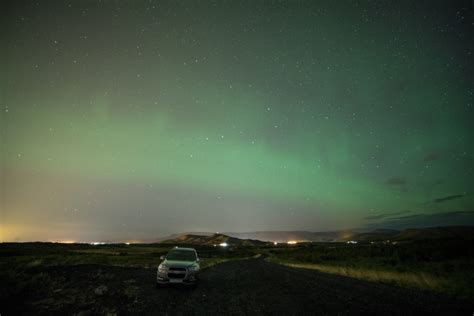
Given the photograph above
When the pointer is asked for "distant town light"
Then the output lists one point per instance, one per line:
(292, 242)
(351, 242)
(224, 244)
(95, 243)
(67, 242)
(275, 243)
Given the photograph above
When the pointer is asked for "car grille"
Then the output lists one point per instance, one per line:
(173, 275)
(178, 269)
(177, 273)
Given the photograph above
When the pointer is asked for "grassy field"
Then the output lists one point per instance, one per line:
(20, 256)
(444, 266)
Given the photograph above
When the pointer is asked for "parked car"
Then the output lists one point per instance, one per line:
(180, 265)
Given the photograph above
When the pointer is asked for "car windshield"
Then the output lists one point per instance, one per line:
(181, 255)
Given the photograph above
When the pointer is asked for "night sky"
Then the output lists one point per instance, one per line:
(136, 119)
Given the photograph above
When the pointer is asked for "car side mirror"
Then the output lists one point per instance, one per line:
(162, 257)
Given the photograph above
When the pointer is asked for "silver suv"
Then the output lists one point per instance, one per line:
(180, 265)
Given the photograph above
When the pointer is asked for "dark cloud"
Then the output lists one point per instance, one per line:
(448, 198)
(454, 218)
(407, 217)
(396, 181)
(383, 216)
(432, 156)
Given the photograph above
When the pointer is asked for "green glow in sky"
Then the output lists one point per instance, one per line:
(172, 117)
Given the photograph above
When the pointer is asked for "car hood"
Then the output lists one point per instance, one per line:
(178, 264)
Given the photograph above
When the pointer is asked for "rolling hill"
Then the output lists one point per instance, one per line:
(263, 237)
(412, 234)
(301, 236)
(449, 232)
(210, 240)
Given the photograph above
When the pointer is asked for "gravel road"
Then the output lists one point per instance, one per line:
(260, 287)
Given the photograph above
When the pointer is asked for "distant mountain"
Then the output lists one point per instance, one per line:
(215, 239)
(261, 237)
(301, 236)
(448, 232)
(460, 232)
(430, 233)
(375, 235)
(175, 236)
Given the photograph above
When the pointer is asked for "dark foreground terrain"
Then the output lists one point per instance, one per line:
(239, 287)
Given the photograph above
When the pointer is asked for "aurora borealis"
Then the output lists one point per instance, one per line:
(135, 119)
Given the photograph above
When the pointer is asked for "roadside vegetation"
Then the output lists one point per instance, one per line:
(442, 265)
(27, 255)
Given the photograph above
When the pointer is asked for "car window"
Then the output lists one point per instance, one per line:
(181, 255)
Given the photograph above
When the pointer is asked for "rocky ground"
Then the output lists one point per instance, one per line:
(232, 288)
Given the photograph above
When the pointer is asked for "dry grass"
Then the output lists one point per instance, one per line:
(418, 280)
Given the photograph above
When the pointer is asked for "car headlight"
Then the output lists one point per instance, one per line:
(162, 268)
(193, 268)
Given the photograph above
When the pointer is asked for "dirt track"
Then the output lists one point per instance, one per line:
(236, 288)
